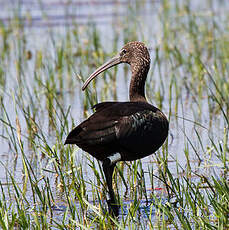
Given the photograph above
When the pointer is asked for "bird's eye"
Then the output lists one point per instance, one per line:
(123, 52)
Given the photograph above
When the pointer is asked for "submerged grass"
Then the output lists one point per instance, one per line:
(49, 185)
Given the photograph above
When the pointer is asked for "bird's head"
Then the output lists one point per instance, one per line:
(134, 53)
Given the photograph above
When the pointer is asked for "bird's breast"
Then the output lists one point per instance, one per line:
(142, 133)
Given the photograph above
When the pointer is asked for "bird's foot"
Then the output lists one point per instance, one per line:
(113, 207)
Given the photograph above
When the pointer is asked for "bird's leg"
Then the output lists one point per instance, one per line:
(108, 168)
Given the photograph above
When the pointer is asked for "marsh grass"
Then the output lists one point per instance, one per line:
(49, 185)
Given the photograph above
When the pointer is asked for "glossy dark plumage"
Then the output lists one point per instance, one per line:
(124, 127)
(133, 129)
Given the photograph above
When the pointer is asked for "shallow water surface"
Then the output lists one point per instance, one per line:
(52, 46)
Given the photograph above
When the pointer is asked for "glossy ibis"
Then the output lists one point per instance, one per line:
(122, 131)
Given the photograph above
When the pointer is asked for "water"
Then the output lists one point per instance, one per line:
(44, 21)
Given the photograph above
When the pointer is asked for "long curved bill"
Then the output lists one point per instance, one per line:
(112, 62)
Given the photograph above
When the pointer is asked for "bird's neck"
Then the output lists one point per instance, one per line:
(137, 83)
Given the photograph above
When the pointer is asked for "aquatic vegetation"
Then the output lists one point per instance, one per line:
(45, 184)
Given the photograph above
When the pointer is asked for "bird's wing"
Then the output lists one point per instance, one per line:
(142, 132)
(98, 129)
(114, 126)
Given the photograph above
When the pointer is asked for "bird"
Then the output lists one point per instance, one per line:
(122, 131)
